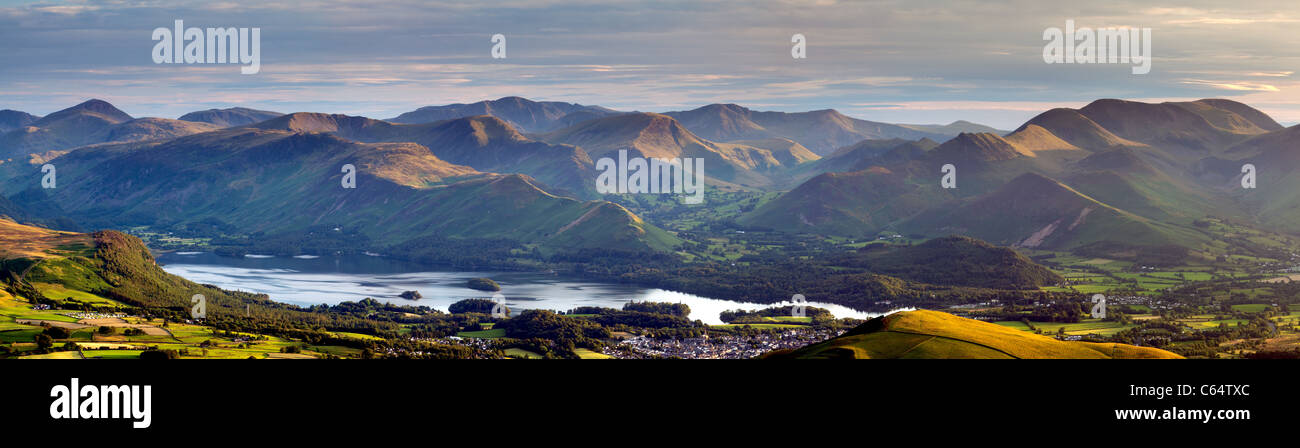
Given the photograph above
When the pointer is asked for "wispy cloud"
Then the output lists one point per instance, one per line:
(924, 61)
(1234, 85)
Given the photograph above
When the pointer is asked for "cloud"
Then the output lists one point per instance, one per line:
(893, 60)
(1234, 85)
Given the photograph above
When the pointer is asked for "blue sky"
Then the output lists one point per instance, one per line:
(905, 61)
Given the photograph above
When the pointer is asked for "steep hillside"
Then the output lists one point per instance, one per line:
(1126, 179)
(954, 261)
(279, 181)
(118, 267)
(23, 241)
(925, 334)
(892, 187)
(859, 203)
(1231, 116)
(483, 142)
(901, 154)
(1033, 139)
(1035, 211)
(975, 148)
(1197, 126)
(1078, 130)
(660, 136)
(1276, 157)
(786, 151)
(722, 122)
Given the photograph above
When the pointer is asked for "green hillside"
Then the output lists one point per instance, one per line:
(278, 181)
(864, 202)
(925, 334)
(857, 204)
(486, 143)
(1035, 211)
(955, 260)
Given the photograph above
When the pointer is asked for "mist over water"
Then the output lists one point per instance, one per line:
(331, 280)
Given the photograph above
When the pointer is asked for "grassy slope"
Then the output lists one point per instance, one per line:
(932, 334)
(958, 260)
(1032, 203)
(276, 181)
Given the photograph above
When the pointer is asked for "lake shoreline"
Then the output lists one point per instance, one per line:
(330, 280)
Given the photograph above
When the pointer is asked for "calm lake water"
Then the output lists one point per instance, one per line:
(331, 280)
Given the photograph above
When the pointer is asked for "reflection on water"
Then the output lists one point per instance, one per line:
(330, 280)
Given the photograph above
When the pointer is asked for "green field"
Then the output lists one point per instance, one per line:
(72, 354)
(521, 353)
(588, 354)
(1088, 326)
(62, 294)
(484, 334)
(755, 326)
(22, 335)
(111, 354)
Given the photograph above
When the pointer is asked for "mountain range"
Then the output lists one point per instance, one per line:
(821, 131)
(1123, 173)
(1115, 173)
(523, 114)
(91, 122)
(235, 116)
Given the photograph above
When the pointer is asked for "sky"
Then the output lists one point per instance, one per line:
(907, 61)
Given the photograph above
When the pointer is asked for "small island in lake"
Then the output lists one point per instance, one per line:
(411, 295)
(483, 284)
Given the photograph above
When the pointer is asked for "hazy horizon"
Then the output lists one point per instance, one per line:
(917, 62)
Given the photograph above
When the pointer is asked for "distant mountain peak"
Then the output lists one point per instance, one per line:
(981, 147)
(1195, 127)
(230, 117)
(94, 104)
(14, 119)
(317, 122)
(522, 113)
(1032, 139)
(730, 107)
(1077, 129)
(96, 107)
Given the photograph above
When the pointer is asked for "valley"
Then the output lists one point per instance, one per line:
(853, 217)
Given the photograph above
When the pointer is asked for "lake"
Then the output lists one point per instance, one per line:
(330, 280)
